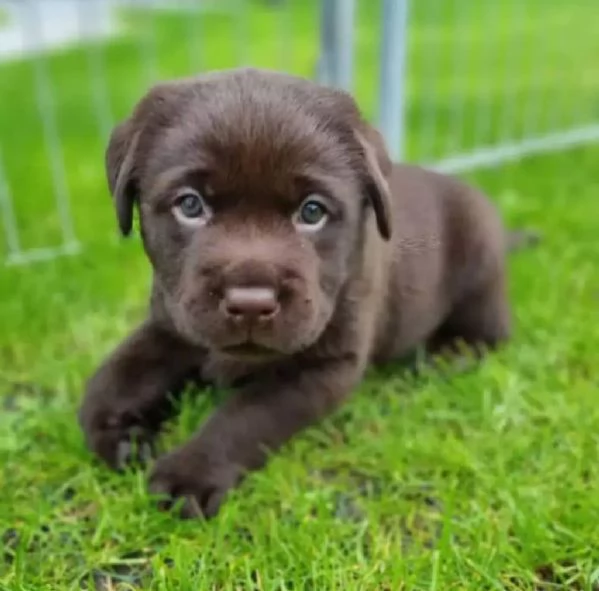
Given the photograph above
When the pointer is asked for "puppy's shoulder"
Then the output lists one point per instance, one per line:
(441, 199)
(413, 182)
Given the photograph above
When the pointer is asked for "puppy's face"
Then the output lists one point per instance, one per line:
(253, 190)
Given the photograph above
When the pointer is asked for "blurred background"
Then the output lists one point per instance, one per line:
(504, 93)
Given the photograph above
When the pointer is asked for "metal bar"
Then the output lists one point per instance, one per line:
(9, 220)
(491, 156)
(35, 255)
(96, 64)
(47, 112)
(344, 44)
(324, 66)
(392, 106)
(336, 63)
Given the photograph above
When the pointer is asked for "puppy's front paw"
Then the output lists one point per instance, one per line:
(198, 484)
(117, 439)
(136, 446)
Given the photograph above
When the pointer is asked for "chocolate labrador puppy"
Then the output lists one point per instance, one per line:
(288, 254)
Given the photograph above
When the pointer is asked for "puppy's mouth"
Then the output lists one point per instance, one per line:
(250, 350)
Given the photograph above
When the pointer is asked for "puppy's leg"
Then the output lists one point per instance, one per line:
(260, 418)
(127, 398)
(480, 322)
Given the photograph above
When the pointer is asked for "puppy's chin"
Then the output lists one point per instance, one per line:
(250, 352)
(265, 347)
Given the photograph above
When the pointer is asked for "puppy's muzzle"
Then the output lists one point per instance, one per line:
(251, 302)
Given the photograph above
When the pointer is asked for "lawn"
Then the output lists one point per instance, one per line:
(486, 481)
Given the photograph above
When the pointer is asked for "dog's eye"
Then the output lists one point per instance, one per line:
(312, 215)
(190, 208)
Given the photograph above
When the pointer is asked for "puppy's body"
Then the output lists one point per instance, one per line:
(446, 273)
(288, 254)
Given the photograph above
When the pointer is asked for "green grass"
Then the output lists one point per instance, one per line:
(486, 481)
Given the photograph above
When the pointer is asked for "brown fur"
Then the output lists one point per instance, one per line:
(408, 257)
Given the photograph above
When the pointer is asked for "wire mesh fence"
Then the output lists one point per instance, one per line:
(493, 81)
(453, 84)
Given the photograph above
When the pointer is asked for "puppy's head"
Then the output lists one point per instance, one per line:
(254, 189)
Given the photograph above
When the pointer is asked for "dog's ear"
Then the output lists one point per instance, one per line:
(120, 162)
(378, 168)
(153, 112)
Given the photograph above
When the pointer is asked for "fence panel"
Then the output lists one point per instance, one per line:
(490, 81)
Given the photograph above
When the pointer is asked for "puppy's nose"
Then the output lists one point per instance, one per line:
(250, 304)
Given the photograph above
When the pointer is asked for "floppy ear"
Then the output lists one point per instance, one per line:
(378, 167)
(120, 172)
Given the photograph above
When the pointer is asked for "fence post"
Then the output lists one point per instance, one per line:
(336, 61)
(392, 94)
(7, 215)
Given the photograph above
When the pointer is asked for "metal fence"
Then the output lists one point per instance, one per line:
(453, 84)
